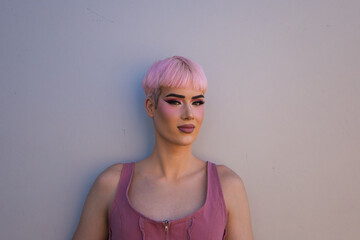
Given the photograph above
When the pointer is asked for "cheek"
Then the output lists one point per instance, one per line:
(166, 111)
(199, 113)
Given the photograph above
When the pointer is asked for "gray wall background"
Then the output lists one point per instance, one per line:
(283, 105)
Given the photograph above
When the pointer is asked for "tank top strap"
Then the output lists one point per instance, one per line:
(215, 191)
(125, 178)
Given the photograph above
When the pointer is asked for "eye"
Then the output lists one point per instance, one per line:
(198, 103)
(173, 102)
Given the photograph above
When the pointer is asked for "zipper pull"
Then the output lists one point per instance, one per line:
(166, 225)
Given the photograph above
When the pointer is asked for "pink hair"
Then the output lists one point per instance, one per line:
(176, 72)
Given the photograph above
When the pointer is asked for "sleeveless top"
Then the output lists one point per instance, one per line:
(208, 222)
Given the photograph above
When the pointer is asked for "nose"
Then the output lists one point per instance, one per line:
(187, 113)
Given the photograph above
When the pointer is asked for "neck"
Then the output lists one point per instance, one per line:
(170, 160)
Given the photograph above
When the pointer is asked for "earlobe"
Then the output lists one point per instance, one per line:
(149, 107)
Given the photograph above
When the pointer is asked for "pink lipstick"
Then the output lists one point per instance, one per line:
(186, 128)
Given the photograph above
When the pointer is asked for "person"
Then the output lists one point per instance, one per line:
(171, 194)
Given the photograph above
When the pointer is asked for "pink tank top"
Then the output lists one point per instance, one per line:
(208, 222)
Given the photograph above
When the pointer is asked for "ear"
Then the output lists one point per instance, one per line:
(149, 107)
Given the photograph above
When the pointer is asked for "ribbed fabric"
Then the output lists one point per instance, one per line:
(207, 223)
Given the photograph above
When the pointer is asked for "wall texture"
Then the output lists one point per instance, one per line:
(282, 110)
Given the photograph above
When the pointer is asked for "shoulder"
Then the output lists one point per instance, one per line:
(237, 205)
(110, 174)
(93, 221)
(228, 177)
(232, 186)
(107, 181)
(104, 188)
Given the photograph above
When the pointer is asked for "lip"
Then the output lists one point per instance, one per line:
(186, 128)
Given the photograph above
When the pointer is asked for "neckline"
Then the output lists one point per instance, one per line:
(193, 214)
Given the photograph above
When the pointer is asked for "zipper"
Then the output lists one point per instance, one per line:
(166, 227)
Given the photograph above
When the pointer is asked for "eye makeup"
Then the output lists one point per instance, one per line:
(174, 101)
(198, 103)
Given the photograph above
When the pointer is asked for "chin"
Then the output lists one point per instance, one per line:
(179, 139)
(184, 141)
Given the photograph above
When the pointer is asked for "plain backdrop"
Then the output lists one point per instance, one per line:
(282, 108)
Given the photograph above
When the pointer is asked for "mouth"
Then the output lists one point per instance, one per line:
(186, 128)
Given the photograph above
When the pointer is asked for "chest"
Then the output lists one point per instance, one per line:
(161, 200)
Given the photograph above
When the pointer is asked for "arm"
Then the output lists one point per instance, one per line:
(93, 223)
(237, 205)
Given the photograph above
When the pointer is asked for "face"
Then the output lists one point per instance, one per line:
(179, 115)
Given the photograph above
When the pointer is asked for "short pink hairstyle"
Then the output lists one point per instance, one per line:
(177, 72)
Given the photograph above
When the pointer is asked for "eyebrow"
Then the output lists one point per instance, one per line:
(182, 96)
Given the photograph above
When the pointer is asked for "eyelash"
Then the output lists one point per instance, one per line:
(175, 102)
(198, 103)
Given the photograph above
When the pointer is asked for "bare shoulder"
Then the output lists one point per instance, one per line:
(104, 188)
(237, 205)
(93, 221)
(107, 181)
(228, 178)
(232, 186)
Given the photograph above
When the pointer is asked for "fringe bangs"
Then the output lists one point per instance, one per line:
(174, 72)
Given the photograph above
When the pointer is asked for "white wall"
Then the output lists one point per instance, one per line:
(282, 110)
